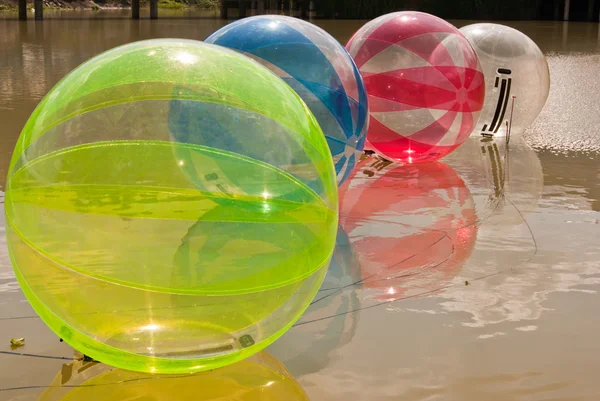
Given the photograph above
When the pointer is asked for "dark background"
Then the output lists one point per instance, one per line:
(580, 10)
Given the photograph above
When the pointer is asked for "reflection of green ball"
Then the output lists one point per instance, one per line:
(171, 207)
(260, 377)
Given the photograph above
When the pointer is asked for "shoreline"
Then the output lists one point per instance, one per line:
(90, 5)
(6, 8)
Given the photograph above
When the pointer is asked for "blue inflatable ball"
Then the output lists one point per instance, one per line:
(318, 68)
(265, 140)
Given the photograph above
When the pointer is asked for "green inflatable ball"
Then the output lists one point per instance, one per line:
(171, 207)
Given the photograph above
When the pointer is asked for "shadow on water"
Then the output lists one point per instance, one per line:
(337, 296)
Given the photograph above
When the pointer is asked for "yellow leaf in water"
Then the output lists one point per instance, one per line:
(17, 342)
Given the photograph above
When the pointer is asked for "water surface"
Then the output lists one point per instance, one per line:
(395, 319)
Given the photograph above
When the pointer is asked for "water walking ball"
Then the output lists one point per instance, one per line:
(424, 83)
(517, 78)
(318, 68)
(156, 243)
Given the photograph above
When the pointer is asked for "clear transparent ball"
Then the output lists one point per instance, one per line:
(517, 78)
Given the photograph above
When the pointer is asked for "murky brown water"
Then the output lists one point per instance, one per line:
(394, 319)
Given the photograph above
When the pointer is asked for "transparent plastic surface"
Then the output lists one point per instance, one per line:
(517, 78)
(424, 82)
(171, 207)
(318, 68)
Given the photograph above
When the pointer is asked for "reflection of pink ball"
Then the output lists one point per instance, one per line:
(412, 227)
(424, 81)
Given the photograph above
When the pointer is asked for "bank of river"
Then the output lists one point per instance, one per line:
(205, 5)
